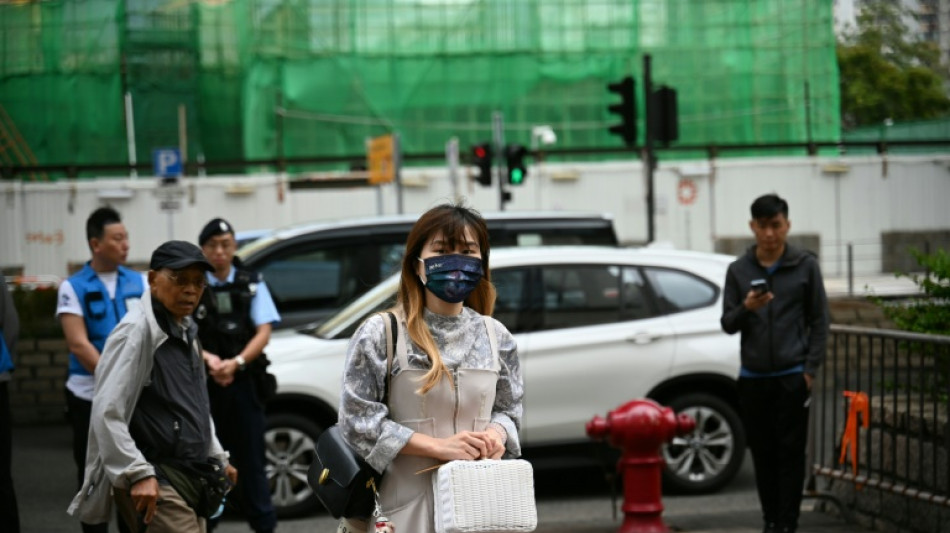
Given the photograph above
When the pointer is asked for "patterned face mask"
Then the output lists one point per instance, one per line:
(452, 277)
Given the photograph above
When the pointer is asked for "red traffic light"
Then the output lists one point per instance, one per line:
(482, 160)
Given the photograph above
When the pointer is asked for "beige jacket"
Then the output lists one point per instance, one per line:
(124, 369)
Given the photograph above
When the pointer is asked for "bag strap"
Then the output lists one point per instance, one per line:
(493, 342)
(392, 333)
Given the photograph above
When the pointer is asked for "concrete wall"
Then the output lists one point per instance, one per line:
(833, 200)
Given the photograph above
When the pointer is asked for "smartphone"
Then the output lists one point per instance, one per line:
(760, 286)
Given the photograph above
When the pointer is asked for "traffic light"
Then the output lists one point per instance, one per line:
(665, 122)
(627, 109)
(481, 159)
(514, 159)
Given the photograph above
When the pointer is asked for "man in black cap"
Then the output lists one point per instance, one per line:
(151, 419)
(235, 318)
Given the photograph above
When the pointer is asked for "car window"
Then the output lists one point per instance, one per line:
(680, 291)
(635, 302)
(390, 259)
(307, 279)
(510, 286)
(580, 295)
(555, 234)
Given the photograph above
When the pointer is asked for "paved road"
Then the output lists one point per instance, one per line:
(568, 502)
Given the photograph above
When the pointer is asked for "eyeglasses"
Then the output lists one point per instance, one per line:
(198, 283)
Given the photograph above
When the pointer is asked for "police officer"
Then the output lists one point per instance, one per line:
(91, 302)
(235, 318)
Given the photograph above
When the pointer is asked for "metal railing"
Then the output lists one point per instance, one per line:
(880, 419)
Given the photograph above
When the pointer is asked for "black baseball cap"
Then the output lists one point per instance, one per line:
(177, 255)
(217, 226)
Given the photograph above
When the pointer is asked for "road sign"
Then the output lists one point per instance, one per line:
(166, 162)
(169, 206)
(381, 155)
(169, 197)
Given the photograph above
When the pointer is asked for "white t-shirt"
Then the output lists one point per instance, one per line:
(68, 303)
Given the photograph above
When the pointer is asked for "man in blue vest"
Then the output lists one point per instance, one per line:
(235, 318)
(91, 303)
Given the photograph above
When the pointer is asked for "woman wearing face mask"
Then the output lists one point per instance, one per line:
(456, 390)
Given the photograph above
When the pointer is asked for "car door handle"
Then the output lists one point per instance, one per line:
(643, 337)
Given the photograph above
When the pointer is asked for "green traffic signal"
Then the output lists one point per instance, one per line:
(517, 176)
(514, 159)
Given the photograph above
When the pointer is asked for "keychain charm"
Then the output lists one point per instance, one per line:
(383, 525)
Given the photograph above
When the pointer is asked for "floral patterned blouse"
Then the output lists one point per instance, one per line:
(462, 340)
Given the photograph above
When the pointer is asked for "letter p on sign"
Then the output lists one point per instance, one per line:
(167, 162)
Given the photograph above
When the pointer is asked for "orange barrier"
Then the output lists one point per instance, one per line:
(849, 441)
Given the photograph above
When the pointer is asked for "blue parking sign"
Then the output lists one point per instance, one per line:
(167, 162)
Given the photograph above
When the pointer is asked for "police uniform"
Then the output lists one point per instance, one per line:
(228, 316)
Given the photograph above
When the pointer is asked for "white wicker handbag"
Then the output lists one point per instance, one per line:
(488, 495)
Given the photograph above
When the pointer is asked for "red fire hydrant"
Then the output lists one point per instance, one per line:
(639, 428)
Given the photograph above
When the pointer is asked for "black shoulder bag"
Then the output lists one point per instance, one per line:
(343, 482)
(203, 485)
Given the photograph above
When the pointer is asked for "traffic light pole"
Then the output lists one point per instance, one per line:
(498, 138)
(648, 158)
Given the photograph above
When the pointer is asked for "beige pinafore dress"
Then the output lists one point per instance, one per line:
(406, 497)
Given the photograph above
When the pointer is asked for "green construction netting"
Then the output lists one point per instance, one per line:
(263, 78)
(921, 130)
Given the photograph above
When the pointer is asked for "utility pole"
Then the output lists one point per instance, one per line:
(452, 162)
(649, 161)
(279, 132)
(498, 138)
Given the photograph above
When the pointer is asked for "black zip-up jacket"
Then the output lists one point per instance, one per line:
(172, 419)
(791, 329)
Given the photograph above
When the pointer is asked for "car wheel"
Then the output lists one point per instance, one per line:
(290, 442)
(709, 457)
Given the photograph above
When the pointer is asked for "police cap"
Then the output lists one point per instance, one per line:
(217, 226)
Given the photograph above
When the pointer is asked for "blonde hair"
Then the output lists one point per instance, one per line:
(451, 220)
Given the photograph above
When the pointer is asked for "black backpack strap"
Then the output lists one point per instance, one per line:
(392, 333)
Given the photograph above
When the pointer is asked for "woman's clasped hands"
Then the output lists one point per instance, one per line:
(472, 445)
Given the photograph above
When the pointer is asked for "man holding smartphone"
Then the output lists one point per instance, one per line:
(775, 296)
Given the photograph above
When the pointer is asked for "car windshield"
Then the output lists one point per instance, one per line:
(252, 247)
(345, 321)
(244, 238)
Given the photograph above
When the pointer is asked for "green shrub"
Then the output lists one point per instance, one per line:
(929, 312)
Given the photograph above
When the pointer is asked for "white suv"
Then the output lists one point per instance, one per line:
(596, 327)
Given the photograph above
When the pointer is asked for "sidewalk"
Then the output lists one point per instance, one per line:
(723, 522)
(885, 285)
(701, 514)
